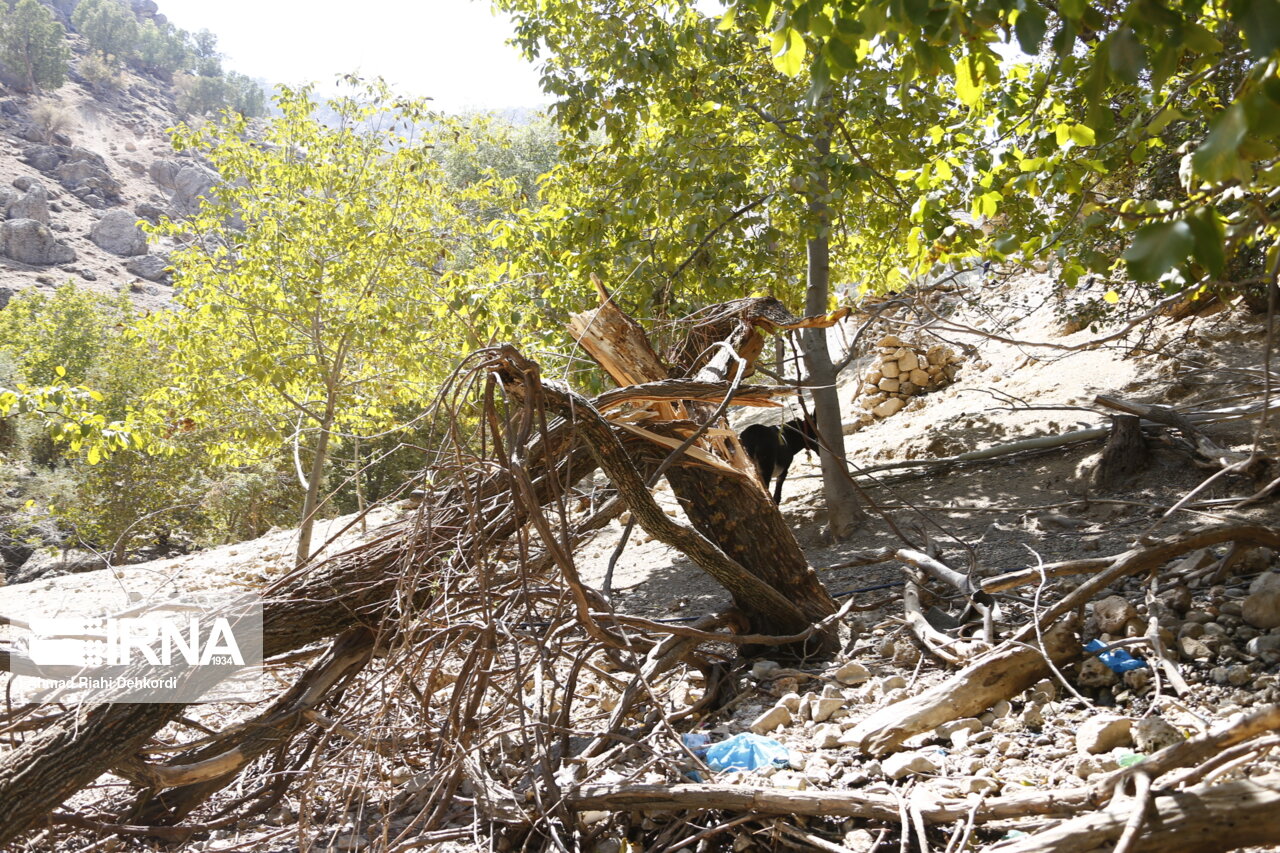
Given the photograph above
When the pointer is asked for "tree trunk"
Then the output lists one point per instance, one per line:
(728, 507)
(1124, 455)
(844, 514)
(315, 478)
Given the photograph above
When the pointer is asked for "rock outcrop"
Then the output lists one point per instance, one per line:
(118, 232)
(82, 172)
(31, 242)
(30, 201)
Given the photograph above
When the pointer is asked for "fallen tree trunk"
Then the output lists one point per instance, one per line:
(1244, 813)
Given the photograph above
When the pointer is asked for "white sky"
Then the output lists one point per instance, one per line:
(451, 50)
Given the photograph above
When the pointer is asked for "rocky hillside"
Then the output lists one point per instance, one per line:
(79, 167)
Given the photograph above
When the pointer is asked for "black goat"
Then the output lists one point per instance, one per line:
(773, 447)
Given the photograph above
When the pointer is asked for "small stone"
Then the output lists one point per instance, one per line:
(1103, 733)
(778, 715)
(902, 764)
(890, 341)
(890, 386)
(874, 377)
(919, 377)
(1033, 716)
(852, 673)
(1002, 708)
(1263, 644)
(790, 780)
(822, 708)
(790, 701)
(1262, 608)
(888, 407)
(968, 724)
(889, 370)
(1177, 599)
(908, 362)
(1137, 679)
(859, 841)
(1192, 648)
(826, 736)
(1112, 613)
(978, 785)
(908, 389)
(1152, 734)
(892, 682)
(1239, 675)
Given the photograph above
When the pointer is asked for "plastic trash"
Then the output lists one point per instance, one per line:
(1117, 660)
(696, 742)
(746, 751)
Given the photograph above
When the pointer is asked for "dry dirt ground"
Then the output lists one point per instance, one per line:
(992, 516)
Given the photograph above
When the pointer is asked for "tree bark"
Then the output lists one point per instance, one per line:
(1124, 455)
(315, 478)
(844, 514)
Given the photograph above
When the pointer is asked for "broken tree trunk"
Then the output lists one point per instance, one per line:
(727, 505)
(1124, 455)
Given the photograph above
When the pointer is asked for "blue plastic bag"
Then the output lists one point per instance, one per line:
(1117, 660)
(746, 751)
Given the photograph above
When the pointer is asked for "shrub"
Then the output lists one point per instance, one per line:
(51, 119)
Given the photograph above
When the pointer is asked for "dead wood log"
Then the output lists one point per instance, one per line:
(1124, 455)
(197, 774)
(756, 597)
(1244, 813)
(1162, 415)
(859, 804)
(1002, 673)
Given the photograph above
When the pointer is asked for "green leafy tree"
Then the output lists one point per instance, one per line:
(1146, 128)
(244, 95)
(55, 343)
(34, 44)
(314, 297)
(162, 48)
(109, 27)
(720, 174)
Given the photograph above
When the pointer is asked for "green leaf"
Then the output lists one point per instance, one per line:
(788, 51)
(1127, 55)
(841, 55)
(1209, 234)
(1217, 158)
(1158, 248)
(1260, 20)
(968, 82)
(1079, 134)
(1030, 28)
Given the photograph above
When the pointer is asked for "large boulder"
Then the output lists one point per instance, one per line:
(118, 232)
(150, 267)
(44, 158)
(51, 564)
(6, 293)
(32, 242)
(191, 184)
(31, 204)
